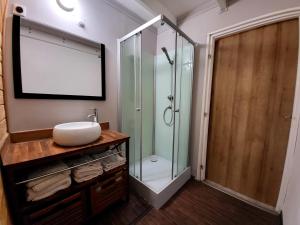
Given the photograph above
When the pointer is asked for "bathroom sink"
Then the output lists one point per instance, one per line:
(76, 133)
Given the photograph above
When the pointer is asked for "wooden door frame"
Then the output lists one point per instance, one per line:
(267, 19)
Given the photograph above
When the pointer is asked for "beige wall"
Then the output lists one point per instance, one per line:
(104, 24)
(4, 216)
(198, 26)
(291, 210)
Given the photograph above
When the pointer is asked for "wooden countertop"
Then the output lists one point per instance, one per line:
(26, 152)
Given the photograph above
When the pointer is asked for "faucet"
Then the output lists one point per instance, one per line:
(94, 115)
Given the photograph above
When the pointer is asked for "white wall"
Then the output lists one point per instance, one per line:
(198, 26)
(158, 8)
(104, 24)
(291, 209)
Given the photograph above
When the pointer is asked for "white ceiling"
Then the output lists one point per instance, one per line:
(143, 9)
(175, 10)
(179, 8)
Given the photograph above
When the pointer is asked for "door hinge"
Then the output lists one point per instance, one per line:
(201, 167)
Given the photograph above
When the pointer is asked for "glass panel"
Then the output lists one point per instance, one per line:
(155, 102)
(177, 104)
(184, 79)
(147, 94)
(164, 102)
(130, 99)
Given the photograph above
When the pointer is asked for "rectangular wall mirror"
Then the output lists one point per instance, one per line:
(52, 64)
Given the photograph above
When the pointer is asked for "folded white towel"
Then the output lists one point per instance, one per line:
(35, 196)
(89, 167)
(112, 166)
(112, 162)
(52, 186)
(78, 160)
(113, 159)
(50, 168)
(48, 181)
(86, 178)
(85, 172)
(45, 181)
(80, 174)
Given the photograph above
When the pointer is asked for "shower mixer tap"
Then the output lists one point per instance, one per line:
(171, 98)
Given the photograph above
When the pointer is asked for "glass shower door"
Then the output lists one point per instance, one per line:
(164, 104)
(183, 97)
(131, 100)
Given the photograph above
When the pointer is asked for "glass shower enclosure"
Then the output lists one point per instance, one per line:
(155, 96)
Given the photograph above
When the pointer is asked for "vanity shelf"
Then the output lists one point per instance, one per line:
(27, 207)
(24, 181)
(81, 200)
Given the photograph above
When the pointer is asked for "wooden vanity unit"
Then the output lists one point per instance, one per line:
(75, 205)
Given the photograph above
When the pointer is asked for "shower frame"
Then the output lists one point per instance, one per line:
(159, 18)
(153, 21)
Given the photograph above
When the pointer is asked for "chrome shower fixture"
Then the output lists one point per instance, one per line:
(170, 98)
(167, 55)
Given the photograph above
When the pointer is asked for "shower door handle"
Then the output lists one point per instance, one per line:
(138, 109)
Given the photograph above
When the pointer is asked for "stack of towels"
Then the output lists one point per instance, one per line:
(87, 171)
(49, 185)
(112, 161)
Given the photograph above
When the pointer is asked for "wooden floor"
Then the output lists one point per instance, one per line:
(195, 204)
(198, 204)
(123, 213)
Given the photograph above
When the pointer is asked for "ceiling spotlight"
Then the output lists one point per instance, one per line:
(67, 5)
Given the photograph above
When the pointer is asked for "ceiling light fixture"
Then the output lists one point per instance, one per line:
(67, 5)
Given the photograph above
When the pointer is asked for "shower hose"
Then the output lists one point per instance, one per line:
(170, 123)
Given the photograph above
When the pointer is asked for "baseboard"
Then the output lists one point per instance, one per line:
(246, 199)
(281, 218)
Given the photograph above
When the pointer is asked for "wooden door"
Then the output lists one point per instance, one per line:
(253, 90)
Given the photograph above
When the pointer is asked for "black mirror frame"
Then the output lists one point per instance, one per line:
(17, 72)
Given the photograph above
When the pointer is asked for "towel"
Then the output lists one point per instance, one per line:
(86, 178)
(89, 167)
(87, 171)
(78, 160)
(112, 162)
(80, 174)
(49, 185)
(50, 168)
(52, 189)
(47, 181)
(104, 154)
(109, 161)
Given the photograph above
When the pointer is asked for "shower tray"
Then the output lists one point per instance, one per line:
(157, 198)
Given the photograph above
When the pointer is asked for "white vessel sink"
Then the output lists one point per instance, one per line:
(76, 133)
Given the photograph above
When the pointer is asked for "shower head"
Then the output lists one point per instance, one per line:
(167, 55)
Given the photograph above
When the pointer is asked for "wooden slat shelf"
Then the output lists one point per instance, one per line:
(26, 180)
(19, 159)
(75, 187)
